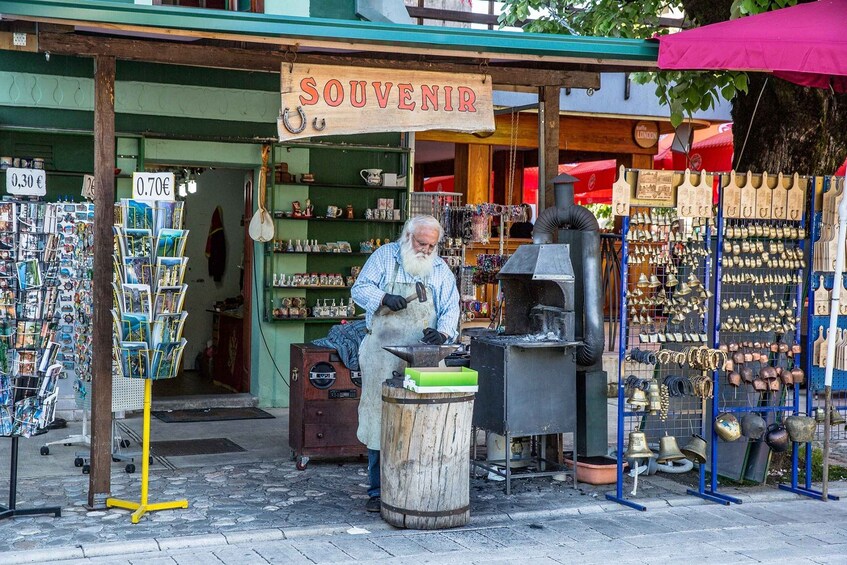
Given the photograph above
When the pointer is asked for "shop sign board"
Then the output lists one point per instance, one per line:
(153, 186)
(645, 134)
(26, 182)
(88, 187)
(320, 100)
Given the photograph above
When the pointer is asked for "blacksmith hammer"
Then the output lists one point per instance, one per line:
(420, 294)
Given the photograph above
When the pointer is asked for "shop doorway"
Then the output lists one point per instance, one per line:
(216, 359)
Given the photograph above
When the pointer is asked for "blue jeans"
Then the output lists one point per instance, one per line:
(373, 472)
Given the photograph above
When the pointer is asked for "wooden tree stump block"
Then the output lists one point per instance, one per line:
(425, 458)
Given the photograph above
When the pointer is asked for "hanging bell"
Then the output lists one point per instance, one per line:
(672, 281)
(695, 450)
(684, 290)
(727, 427)
(835, 417)
(637, 399)
(643, 282)
(669, 450)
(653, 398)
(654, 282)
(637, 448)
(820, 414)
(753, 425)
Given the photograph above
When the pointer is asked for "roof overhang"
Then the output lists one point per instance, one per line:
(316, 35)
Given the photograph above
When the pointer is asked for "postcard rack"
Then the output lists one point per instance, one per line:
(148, 315)
(28, 350)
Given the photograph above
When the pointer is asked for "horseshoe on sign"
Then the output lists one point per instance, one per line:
(287, 124)
(320, 127)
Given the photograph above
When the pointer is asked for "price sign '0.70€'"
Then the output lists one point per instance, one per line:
(26, 182)
(153, 186)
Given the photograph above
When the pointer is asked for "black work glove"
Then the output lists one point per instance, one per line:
(394, 302)
(433, 337)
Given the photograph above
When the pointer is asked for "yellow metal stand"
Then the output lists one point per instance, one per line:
(143, 507)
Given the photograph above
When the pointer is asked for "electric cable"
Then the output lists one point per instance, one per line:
(261, 330)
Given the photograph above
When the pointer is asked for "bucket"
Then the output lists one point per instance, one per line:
(519, 453)
(425, 458)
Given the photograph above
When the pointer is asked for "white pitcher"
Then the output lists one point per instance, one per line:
(372, 177)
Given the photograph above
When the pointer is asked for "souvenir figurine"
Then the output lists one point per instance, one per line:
(309, 209)
(296, 212)
(350, 214)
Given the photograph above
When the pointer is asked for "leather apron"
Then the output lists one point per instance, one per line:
(404, 327)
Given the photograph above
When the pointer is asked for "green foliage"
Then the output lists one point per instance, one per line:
(603, 213)
(684, 92)
(836, 472)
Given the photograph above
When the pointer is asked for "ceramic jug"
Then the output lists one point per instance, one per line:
(372, 177)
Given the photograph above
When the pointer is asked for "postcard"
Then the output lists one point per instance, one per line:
(136, 214)
(29, 274)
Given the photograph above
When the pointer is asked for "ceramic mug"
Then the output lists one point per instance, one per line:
(333, 212)
(373, 177)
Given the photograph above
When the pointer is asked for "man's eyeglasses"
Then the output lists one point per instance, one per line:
(427, 246)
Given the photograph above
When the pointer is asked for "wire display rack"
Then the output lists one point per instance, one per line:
(758, 303)
(664, 369)
(824, 231)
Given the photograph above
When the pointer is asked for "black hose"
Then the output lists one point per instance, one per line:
(580, 218)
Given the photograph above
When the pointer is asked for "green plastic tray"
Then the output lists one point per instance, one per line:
(442, 376)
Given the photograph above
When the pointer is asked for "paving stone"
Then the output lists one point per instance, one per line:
(359, 548)
(196, 558)
(436, 543)
(239, 556)
(473, 540)
(399, 545)
(280, 553)
(321, 551)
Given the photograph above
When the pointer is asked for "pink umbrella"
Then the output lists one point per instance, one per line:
(805, 44)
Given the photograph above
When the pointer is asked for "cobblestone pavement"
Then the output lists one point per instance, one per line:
(261, 509)
(760, 532)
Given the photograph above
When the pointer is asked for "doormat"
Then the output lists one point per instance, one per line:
(180, 447)
(211, 414)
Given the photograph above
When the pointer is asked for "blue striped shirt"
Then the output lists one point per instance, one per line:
(376, 277)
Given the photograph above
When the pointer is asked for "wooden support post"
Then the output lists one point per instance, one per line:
(99, 484)
(548, 98)
(473, 172)
(640, 161)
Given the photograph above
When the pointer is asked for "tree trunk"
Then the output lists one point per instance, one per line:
(794, 129)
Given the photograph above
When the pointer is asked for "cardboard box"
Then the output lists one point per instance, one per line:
(442, 376)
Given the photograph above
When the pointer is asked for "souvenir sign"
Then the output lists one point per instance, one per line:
(153, 186)
(26, 182)
(332, 100)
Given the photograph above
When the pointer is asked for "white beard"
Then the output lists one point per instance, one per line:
(416, 264)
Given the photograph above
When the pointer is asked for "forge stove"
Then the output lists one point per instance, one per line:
(527, 376)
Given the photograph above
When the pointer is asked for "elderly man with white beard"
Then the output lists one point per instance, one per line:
(388, 277)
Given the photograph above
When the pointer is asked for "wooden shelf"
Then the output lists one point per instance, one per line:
(313, 320)
(313, 287)
(344, 254)
(339, 220)
(341, 186)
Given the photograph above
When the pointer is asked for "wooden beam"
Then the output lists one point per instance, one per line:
(549, 99)
(99, 484)
(473, 172)
(576, 133)
(269, 60)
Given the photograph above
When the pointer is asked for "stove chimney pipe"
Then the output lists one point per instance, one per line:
(563, 190)
(567, 215)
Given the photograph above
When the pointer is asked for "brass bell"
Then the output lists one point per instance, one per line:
(653, 398)
(637, 399)
(835, 417)
(654, 282)
(727, 427)
(669, 450)
(643, 282)
(637, 448)
(695, 450)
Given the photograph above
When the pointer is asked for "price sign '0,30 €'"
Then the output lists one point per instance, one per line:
(153, 186)
(26, 182)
